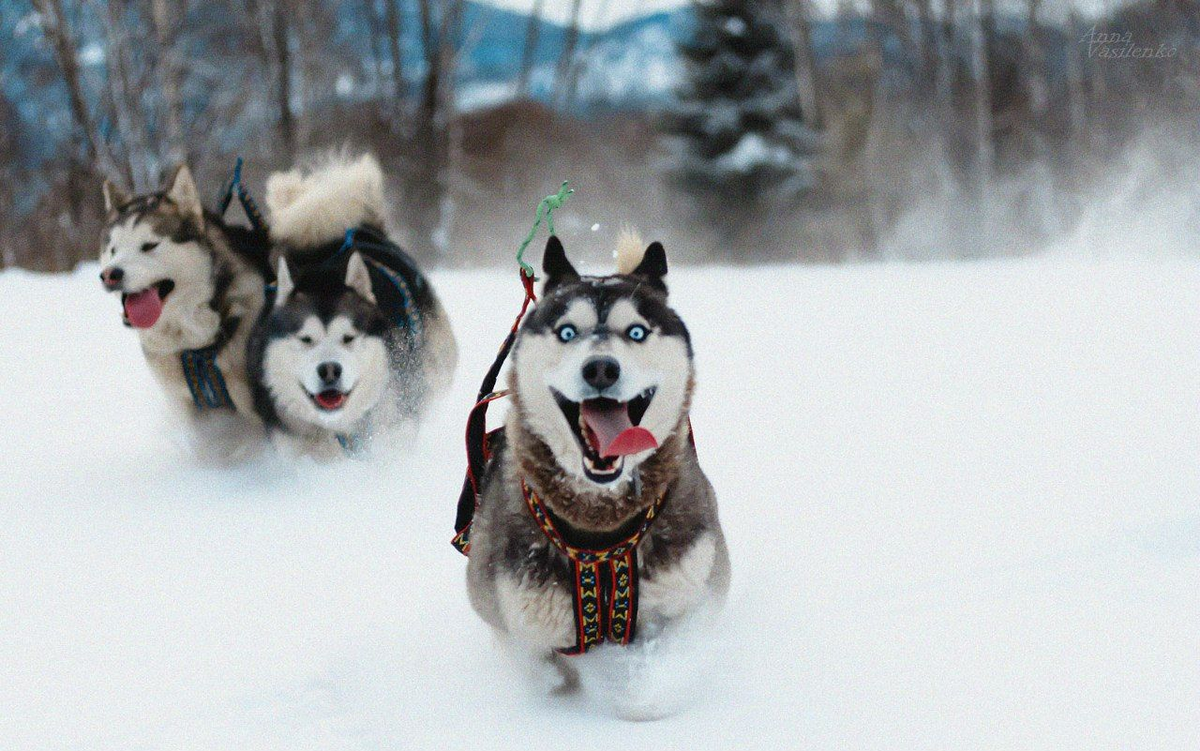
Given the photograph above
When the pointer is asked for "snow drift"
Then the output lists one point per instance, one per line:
(960, 501)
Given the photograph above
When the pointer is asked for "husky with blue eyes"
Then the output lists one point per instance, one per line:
(596, 531)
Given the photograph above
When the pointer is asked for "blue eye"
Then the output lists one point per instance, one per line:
(637, 333)
(566, 333)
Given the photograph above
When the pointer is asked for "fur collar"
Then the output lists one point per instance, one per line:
(590, 509)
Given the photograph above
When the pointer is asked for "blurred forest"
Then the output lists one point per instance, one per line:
(737, 131)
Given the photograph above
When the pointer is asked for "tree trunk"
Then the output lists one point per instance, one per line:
(529, 54)
(566, 61)
(805, 64)
(982, 105)
(166, 27)
(395, 31)
(66, 53)
(283, 61)
(128, 109)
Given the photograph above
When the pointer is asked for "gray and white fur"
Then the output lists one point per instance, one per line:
(518, 582)
(203, 281)
(341, 357)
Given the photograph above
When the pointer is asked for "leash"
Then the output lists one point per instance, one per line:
(605, 581)
(257, 222)
(479, 440)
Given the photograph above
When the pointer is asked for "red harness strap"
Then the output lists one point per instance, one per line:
(605, 582)
(478, 439)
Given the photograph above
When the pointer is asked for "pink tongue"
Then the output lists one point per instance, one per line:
(616, 435)
(144, 308)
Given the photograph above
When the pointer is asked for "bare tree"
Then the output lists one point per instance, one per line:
(167, 16)
(281, 39)
(804, 61)
(66, 54)
(566, 60)
(529, 53)
(395, 30)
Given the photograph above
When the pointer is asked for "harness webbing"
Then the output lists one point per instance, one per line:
(204, 378)
(605, 582)
(257, 222)
(479, 440)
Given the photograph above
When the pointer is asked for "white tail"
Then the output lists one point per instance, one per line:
(313, 206)
(630, 250)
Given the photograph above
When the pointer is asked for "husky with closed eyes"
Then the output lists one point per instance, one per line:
(192, 287)
(595, 523)
(355, 340)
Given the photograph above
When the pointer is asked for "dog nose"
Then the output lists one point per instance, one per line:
(601, 372)
(329, 372)
(112, 276)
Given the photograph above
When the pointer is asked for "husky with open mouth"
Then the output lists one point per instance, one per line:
(355, 340)
(192, 287)
(595, 523)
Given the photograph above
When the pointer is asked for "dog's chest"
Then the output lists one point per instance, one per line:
(538, 600)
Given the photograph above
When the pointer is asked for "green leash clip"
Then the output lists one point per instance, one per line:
(545, 211)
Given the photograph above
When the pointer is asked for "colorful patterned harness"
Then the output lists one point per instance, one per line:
(204, 378)
(605, 581)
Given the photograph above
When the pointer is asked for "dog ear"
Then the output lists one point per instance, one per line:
(181, 189)
(114, 197)
(653, 266)
(554, 262)
(283, 282)
(358, 277)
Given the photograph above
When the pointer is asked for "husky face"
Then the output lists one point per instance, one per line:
(154, 255)
(325, 363)
(603, 367)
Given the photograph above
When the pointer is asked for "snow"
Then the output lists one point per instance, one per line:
(960, 501)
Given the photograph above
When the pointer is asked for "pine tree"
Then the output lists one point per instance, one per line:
(742, 139)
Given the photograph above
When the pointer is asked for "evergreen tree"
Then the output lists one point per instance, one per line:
(742, 139)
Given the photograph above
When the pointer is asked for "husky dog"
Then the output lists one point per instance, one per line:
(597, 451)
(192, 287)
(355, 340)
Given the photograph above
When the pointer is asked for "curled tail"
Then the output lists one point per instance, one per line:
(311, 206)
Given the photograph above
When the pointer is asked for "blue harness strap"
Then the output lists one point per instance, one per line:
(248, 204)
(204, 378)
(407, 317)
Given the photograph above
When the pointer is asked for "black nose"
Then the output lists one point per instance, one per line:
(329, 372)
(601, 372)
(112, 276)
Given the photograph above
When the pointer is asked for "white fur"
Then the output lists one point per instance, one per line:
(311, 207)
(283, 283)
(358, 278)
(540, 616)
(290, 374)
(544, 363)
(187, 320)
(630, 250)
(676, 591)
(184, 194)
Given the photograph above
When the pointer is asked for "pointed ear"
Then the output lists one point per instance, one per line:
(283, 282)
(114, 197)
(358, 278)
(554, 262)
(181, 189)
(653, 266)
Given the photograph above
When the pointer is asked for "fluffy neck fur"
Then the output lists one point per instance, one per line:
(585, 505)
(209, 312)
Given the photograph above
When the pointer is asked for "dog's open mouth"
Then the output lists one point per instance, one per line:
(142, 309)
(608, 431)
(330, 400)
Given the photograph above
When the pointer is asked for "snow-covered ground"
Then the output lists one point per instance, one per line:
(963, 504)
